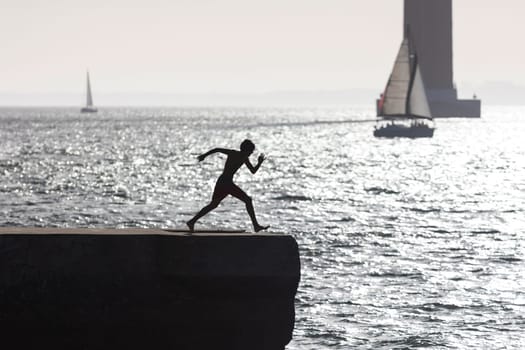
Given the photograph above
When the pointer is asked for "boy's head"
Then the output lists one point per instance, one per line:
(247, 146)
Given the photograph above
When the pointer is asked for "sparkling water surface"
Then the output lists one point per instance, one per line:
(405, 244)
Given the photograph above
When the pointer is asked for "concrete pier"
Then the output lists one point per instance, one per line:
(146, 289)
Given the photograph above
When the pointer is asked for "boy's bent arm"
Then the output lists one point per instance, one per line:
(215, 150)
(253, 169)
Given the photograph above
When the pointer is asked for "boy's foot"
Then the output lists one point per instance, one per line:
(260, 228)
(190, 225)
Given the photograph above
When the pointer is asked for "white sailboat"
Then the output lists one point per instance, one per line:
(89, 99)
(404, 100)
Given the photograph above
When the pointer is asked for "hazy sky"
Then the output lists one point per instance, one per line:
(238, 46)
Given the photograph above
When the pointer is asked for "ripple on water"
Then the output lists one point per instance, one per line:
(291, 198)
(380, 190)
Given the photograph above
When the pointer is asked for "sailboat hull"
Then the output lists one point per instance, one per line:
(412, 131)
(88, 110)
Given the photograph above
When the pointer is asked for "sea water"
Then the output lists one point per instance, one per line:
(404, 243)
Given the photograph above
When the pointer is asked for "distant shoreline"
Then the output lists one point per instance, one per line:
(491, 93)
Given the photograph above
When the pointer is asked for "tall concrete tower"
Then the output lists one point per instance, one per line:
(428, 26)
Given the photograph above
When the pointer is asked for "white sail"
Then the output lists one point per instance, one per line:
(89, 101)
(418, 101)
(396, 92)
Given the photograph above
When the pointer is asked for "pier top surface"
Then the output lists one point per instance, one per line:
(129, 231)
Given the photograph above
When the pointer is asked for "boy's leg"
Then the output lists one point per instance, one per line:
(218, 196)
(240, 194)
(201, 213)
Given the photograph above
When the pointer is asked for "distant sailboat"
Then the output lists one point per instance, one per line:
(404, 100)
(89, 100)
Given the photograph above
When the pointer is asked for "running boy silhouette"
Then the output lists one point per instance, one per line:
(225, 185)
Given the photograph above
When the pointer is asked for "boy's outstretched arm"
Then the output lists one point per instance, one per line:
(252, 168)
(215, 150)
